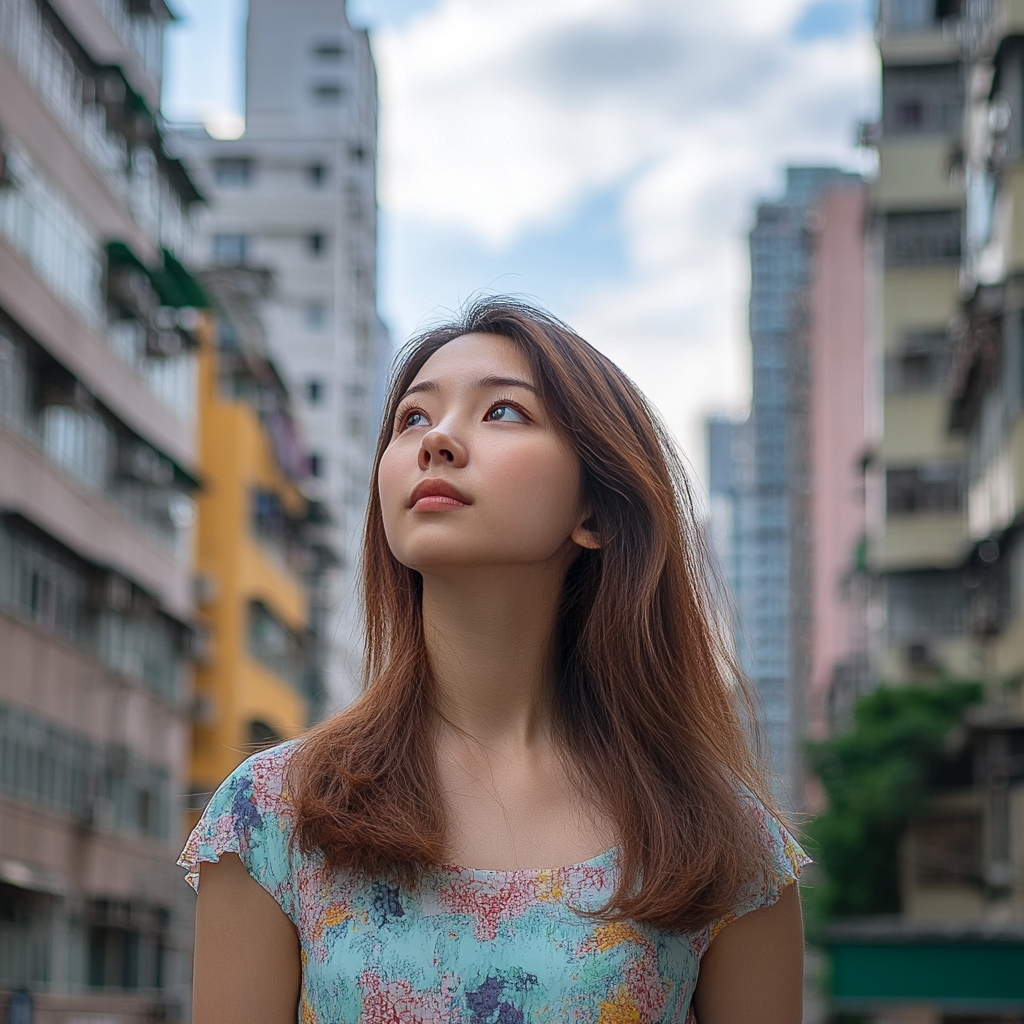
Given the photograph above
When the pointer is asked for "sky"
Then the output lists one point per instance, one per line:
(601, 157)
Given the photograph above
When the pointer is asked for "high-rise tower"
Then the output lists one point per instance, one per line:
(296, 195)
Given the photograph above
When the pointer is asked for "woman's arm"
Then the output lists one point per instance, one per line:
(753, 971)
(247, 951)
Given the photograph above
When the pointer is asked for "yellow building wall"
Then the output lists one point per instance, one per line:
(237, 457)
(914, 174)
(915, 298)
(916, 430)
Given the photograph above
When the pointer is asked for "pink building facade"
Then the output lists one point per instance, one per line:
(837, 435)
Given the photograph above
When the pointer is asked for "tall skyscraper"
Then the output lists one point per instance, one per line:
(754, 467)
(98, 465)
(296, 195)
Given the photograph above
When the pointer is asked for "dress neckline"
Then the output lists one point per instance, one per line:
(604, 859)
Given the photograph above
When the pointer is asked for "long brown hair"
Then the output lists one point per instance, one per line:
(650, 710)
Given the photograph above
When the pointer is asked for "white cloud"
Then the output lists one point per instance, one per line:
(499, 115)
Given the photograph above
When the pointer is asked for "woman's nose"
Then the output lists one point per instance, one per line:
(439, 446)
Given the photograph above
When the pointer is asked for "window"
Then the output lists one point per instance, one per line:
(273, 644)
(127, 944)
(269, 522)
(25, 939)
(947, 851)
(14, 395)
(41, 224)
(43, 583)
(233, 171)
(315, 315)
(317, 465)
(80, 442)
(328, 93)
(316, 391)
(925, 606)
(100, 785)
(931, 488)
(922, 239)
(922, 100)
(316, 175)
(920, 364)
(316, 243)
(58, 592)
(262, 736)
(916, 15)
(230, 249)
(329, 50)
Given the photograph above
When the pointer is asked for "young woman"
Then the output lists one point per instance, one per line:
(544, 806)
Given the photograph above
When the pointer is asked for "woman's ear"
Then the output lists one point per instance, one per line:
(585, 535)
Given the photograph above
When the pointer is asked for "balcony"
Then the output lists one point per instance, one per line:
(919, 28)
(108, 121)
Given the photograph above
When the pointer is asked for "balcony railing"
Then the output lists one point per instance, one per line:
(70, 95)
(141, 35)
(122, 149)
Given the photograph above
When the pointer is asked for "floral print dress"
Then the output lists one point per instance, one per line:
(466, 946)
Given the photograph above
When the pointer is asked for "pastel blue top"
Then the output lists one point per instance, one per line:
(466, 945)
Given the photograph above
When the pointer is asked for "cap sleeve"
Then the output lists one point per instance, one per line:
(785, 857)
(251, 815)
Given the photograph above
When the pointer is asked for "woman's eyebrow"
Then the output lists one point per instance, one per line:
(483, 384)
(416, 389)
(504, 382)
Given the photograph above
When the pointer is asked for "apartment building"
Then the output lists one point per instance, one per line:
(260, 558)
(945, 552)
(296, 194)
(98, 465)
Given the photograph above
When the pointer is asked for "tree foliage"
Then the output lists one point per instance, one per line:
(876, 778)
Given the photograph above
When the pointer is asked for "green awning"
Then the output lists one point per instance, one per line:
(973, 975)
(171, 280)
(119, 254)
(176, 286)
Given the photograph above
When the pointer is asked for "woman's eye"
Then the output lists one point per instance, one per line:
(505, 414)
(413, 419)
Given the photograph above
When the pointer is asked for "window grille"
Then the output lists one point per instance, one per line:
(925, 606)
(41, 583)
(56, 591)
(104, 786)
(126, 946)
(926, 238)
(933, 488)
(25, 938)
(922, 100)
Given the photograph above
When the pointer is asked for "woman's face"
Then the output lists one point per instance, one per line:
(476, 474)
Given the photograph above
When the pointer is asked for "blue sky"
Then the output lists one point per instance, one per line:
(601, 156)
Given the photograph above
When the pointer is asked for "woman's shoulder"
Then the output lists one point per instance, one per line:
(780, 861)
(262, 779)
(783, 855)
(251, 814)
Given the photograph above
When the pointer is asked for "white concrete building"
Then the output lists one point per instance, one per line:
(297, 194)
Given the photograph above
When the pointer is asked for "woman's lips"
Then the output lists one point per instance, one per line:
(437, 496)
(437, 503)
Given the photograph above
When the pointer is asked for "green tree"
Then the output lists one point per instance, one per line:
(876, 779)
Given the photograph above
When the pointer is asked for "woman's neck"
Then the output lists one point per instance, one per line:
(490, 637)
